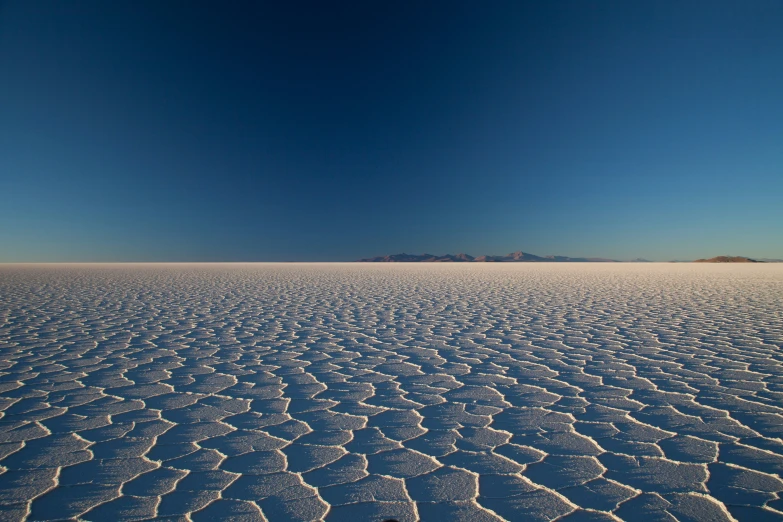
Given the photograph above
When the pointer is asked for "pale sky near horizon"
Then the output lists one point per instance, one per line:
(306, 131)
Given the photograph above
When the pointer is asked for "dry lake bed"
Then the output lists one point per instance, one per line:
(278, 392)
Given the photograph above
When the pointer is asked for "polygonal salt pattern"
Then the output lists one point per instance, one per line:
(413, 392)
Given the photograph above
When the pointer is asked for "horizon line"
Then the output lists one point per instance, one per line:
(358, 262)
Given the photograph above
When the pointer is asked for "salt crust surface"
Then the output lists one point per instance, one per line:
(364, 392)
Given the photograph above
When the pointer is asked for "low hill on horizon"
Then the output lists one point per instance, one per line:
(728, 259)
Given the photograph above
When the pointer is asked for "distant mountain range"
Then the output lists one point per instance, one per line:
(514, 257)
(524, 257)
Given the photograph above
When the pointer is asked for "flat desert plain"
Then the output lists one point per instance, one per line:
(356, 392)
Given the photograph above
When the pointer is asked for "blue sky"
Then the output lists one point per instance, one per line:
(186, 131)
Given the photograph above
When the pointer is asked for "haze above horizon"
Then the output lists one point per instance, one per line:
(149, 131)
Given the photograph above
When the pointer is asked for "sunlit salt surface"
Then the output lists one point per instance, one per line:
(364, 392)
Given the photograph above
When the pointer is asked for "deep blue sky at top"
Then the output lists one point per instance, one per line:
(148, 130)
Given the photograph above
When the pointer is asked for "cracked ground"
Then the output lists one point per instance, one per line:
(417, 392)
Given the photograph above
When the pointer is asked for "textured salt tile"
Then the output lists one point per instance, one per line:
(600, 494)
(184, 502)
(733, 485)
(531, 421)
(752, 458)
(689, 449)
(302, 458)
(348, 468)
(692, 506)
(13, 511)
(154, 483)
(401, 463)
(234, 510)
(50, 452)
(199, 460)
(196, 432)
(124, 508)
(630, 448)
(520, 454)
(167, 452)
(105, 472)
(588, 516)
(481, 395)
(399, 425)
(328, 421)
(170, 402)
(127, 447)
(9, 448)
(327, 438)
(456, 511)
(288, 430)
(210, 480)
(481, 439)
(596, 430)
(400, 511)
(371, 488)
(538, 505)
(239, 442)
(67, 502)
(647, 506)
(436, 443)
(198, 412)
(557, 472)
(443, 485)
(482, 462)
(652, 474)
(25, 432)
(756, 514)
(252, 487)
(305, 508)
(370, 441)
(256, 463)
(24, 485)
(451, 416)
